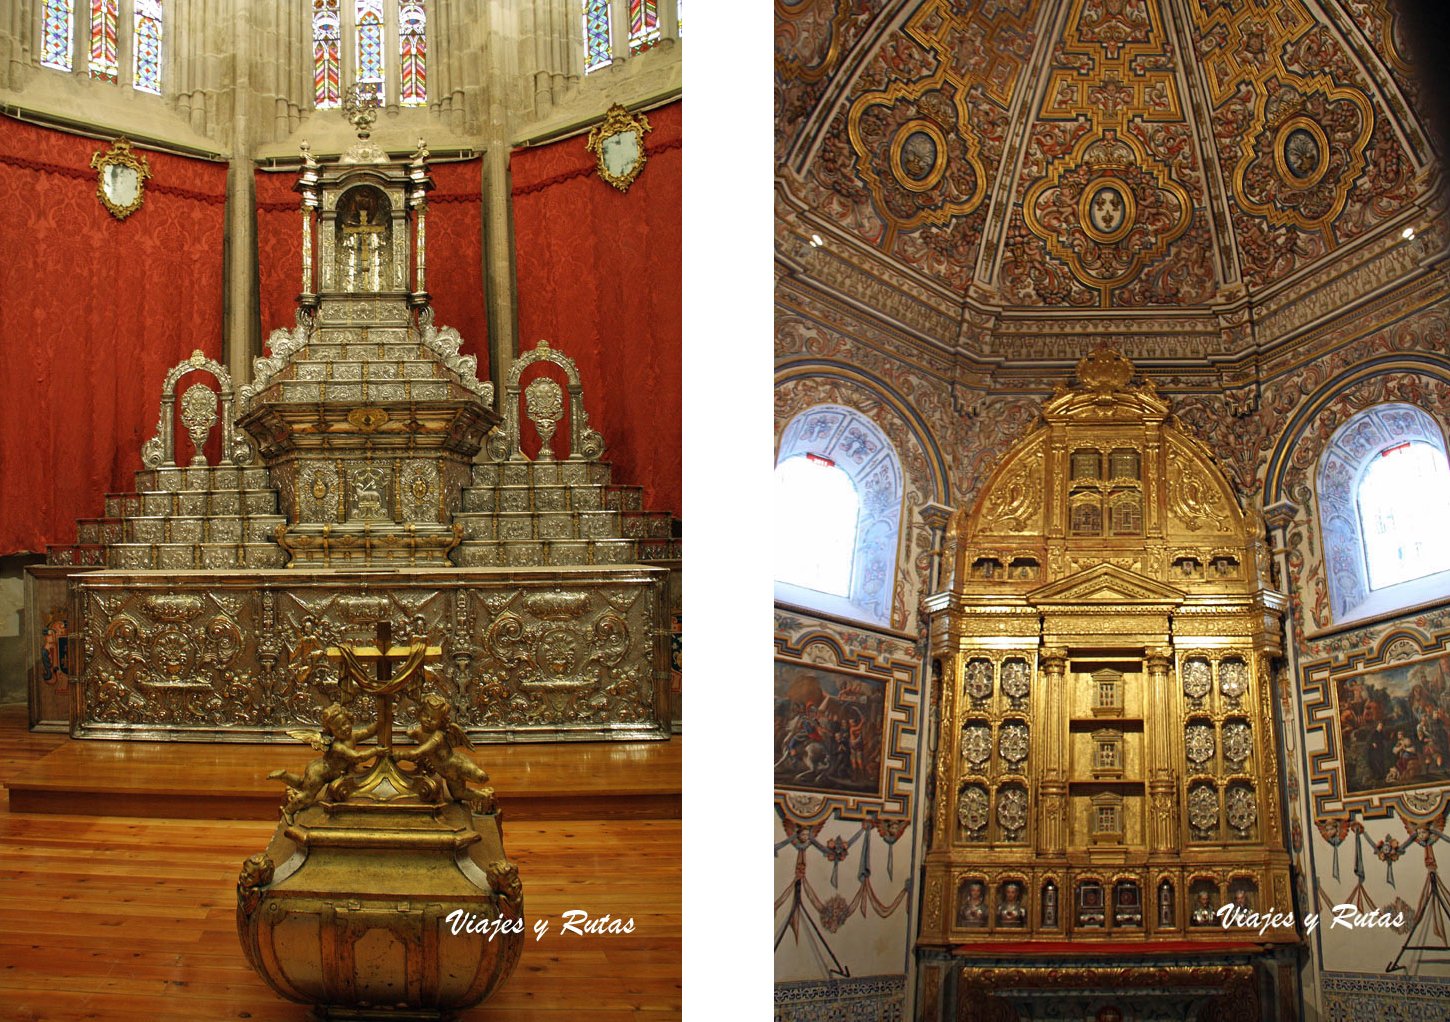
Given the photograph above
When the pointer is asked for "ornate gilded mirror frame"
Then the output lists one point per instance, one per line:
(619, 145)
(121, 177)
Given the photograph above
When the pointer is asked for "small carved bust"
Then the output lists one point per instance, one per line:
(972, 906)
(1011, 911)
(1202, 910)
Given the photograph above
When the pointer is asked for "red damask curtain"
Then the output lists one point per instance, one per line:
(93, 312)
(599, 279)
(455, 252)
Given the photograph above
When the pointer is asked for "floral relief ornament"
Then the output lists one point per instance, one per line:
(545, 403)
(199, 415)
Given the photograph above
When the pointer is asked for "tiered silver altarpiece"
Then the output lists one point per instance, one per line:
(348, 496)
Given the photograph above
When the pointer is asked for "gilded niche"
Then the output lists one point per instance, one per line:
(1112, 750)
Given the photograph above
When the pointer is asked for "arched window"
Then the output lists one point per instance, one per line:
(1404, 508)
(1384, 498)
(383, 43)
(816, 507)
(109, 29)
(838, 514)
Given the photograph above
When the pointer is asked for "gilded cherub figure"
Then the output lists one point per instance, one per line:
(439, 741)
(339, 758)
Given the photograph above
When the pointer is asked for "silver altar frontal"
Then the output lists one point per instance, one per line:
(367, 486)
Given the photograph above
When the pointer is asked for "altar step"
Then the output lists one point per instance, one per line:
(519, 525)
(220, 528)
(187, 780)
(182, 518)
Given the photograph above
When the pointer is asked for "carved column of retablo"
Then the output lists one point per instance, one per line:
(1162, 796)
(1053, 785)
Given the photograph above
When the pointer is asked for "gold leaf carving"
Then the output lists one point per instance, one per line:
(1015, 503)
(1192, 498)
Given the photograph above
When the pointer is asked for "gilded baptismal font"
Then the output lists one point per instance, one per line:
(1106, 773)
(384, 892)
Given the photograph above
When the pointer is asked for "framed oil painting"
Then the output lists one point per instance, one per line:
(829, 730)
(1394, 725)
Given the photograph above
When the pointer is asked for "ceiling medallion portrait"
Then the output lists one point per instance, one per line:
(918, 155)
(1107, 209)
(1301, 164)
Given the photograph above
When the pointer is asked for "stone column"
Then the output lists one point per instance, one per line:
(242, 337)
(1162, 798)
(16, 21)
(1052, 787)
(936, 516)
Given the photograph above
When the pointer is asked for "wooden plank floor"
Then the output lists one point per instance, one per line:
(117, 918)
(567, 780)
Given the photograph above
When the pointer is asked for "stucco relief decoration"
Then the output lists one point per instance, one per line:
(811, 37)
(1107, 210)
(917, 153)
(1301, 163)
(905, 163)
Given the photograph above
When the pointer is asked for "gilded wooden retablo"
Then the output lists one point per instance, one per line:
(1108, 756)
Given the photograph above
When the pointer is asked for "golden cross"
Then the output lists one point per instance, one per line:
(384, 686)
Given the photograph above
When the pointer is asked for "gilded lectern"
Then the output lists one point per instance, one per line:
(1106, 769)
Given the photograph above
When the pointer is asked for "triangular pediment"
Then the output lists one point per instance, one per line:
(1105, 583)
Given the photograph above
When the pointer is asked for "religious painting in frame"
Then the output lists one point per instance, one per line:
(1385, 712)
(829, 729)
(820, 691)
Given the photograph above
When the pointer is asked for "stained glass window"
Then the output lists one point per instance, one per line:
(148, 46)
(413, 52)
(370, 43)
(644, 24)
(596, 35)
(326, 54)
(103, 39)
(56, 29)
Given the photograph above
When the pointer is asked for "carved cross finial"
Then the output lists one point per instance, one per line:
(386, 684)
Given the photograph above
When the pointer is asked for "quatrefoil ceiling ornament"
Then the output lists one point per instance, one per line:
(122, 178)
(1107, 209)
(1304, 153)
(918, 153)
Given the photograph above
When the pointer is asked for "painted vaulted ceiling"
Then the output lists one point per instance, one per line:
(1100, 154)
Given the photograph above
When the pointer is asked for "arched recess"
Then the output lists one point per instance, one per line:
(806, 385)
(1352, 451)
(1419, 379)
